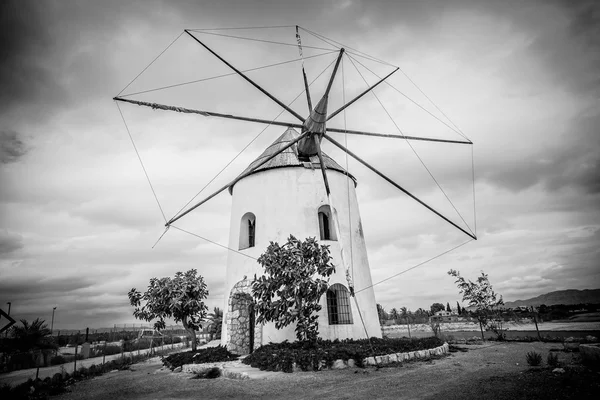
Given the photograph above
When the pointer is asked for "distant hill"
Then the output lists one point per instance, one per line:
(570, 296)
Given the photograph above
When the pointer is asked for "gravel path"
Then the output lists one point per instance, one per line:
(488, 371)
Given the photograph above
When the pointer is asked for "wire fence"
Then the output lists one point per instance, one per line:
(69, 348)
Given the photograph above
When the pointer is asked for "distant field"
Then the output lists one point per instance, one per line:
(465, 330)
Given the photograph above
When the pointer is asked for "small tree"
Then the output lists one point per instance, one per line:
(216, 323)
(480, 295)
(180, 298)
(292, 286)
(448, 307)
(458, 309)
(394, 314)
(405, 313)
(381, 313)
(32, 336)
(435, 307)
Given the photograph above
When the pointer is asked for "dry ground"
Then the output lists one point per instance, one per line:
(490, 371)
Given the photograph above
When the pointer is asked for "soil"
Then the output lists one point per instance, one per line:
(496, 370)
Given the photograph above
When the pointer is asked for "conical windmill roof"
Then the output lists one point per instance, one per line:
(289, 157)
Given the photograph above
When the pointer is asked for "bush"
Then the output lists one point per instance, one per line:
(210, 354)
(311, 356)
(534, 359)
(56, 360)
(552, 360)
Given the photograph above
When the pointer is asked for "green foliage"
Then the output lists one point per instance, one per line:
(435, 307)
(180, 298)
(215, 319)
(207, 355)
(533, 358)
(292, 285)
(394, 314)
(56, 360)
(381, 313)
(313, 355)
(552, 360)
(32, 336)
(211, 373)
(481, 295)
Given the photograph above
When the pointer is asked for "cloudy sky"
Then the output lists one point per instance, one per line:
(78, 219)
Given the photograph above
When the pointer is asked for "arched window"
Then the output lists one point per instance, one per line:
(326, 228)
(247, 231)
(338, 305)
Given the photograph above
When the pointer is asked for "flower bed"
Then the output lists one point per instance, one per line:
(288, 357)
(207, 355)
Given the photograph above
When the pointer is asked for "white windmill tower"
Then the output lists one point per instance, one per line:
(294, 188)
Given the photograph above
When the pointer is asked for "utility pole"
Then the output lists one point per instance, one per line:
(52, 325)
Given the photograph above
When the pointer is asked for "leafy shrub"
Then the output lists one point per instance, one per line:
(56, 360)
(210, 373)
(110, 350)
(312, 356)
(210, 354)
(552, 360)
(533, 358)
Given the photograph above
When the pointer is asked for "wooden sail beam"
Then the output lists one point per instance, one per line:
(164, 107)
(348, 104)
(233, 182)
(334, 214)
(391, 136)
(357, 158)
(240, 73)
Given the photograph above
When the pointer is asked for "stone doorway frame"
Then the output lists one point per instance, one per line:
(239, 320)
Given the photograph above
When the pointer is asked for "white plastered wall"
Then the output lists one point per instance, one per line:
(286, 201)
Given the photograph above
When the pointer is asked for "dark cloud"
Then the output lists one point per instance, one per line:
(10, 242)
(12, 148)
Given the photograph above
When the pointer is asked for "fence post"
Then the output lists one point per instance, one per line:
(75, 360)
(104, 353)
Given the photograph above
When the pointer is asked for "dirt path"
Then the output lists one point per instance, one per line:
(487, 371)
(16, 377)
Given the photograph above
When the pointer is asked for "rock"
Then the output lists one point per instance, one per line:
(178, 369)
(351, 363)
(370, 361)
(393, 358)
(114, 370)
(590, 353)
(339, 364)
(591, 339)
(558, 371)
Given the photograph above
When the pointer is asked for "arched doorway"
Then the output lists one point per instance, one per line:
(243, 334)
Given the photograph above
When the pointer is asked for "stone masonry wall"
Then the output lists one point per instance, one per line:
(238, 319)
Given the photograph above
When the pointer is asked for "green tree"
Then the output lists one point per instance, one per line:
(405, 314)
(480, 295)
(394, 314)
(32, 336)
(292, 286)
(435, 307)
(458, 309)
(180, 298)
(381, 313)
(448, 307)
(215, 319)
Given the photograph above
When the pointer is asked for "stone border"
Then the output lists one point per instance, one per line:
(387, 359)
(337, 364)
(412, 355)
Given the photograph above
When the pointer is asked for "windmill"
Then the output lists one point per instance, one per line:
(294, 157)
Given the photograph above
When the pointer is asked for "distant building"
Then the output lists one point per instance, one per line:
(444, 316)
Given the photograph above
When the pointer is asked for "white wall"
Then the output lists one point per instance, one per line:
(285, 201)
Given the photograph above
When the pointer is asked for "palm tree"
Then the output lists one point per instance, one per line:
(32, 336)
(394, 314)
(216, 322)
(405, 315)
